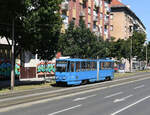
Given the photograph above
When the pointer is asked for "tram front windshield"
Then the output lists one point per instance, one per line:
(61, 66)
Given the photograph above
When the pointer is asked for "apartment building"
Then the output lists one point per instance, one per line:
(123, 21)
(94, 12)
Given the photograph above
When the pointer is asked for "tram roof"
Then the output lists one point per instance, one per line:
(76, 59)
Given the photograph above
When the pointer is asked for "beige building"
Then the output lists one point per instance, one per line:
(123, 21)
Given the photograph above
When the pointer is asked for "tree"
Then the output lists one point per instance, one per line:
(138, 40)
(42, 25)
(122, 49)
(78, 41)
(37, 25)
(9, 11)
(148, 52)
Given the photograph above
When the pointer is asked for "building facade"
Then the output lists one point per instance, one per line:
(94, 12)
(123, 21)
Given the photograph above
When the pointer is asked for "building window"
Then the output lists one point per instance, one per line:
(74, 20)
(130, 28)
(84, 4)
(101, 15)
(111, 27)
(89, 10)
(89, 25)
(105, 28)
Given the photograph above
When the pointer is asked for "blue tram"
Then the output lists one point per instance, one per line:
(81, 71)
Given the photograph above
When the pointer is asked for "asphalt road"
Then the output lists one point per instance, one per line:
(132, 98)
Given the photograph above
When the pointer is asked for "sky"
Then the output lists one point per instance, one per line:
(142, 9)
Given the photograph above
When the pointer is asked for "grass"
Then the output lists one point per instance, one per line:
(128, 74)
(144, 70)
(26, 87)
(123, 74)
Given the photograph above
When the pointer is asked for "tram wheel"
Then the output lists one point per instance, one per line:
(84, 82)
(108, 78)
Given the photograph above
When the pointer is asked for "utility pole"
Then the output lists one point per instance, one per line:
(12, 56)
(146, 55)
(131, 56)
(98, 63)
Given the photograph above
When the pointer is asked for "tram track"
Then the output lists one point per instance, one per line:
(8, 102)
(46, 89)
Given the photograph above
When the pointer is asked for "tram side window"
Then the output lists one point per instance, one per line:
(68, 66)
(93, 65)
(102, 65)
(72, 66)
(77, 66)
(88, 65)
(83, 66)
(106, 65)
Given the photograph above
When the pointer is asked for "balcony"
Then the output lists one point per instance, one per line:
(106, 22)
(65, 5)
(85, 0)
(97, 4)
(65, 19)
(108, 10)
(95, 18)
(82, 14)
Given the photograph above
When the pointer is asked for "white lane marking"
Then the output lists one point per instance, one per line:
(141, 86)
(65, 110)
(122, 99)
(109, 96)
(115, 113)
(83, 98)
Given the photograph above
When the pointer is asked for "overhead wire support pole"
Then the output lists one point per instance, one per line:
(13, 57)
(131, 56)
(146, 56)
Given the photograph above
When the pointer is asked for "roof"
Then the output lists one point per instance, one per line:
(116, 3)
(75, 59)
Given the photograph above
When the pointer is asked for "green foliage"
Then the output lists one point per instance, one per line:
(10, 9)
(122, 49)
(79, 42)
(37, 25)
(138, 40)
(148, 51)
(42, 24)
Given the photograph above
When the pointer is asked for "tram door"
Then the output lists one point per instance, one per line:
(98, 70)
